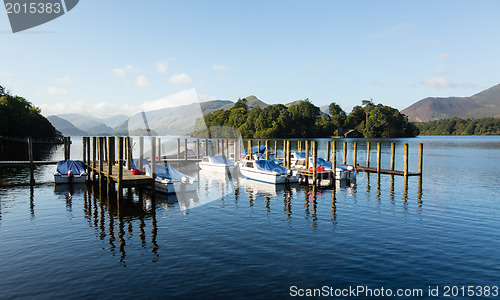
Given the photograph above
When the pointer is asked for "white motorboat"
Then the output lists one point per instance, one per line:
(168, 180)
(297, 160)
(267, 171)
(70, 171)
(217, 164)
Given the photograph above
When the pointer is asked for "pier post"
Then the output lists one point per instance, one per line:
(206, 147)
(217, 151)
(314, 152)
(84, 151)
(267, 149)
(141, 153)
(288, 154)
(185, 149)
(275, 148)
(420, 158)
(128, 140)
(299, 146)
(101, 162)
(197, 148)
(88, 157)
(379, 153)
(159, 150)
(111, 151)
(94, 156)
(153, 156)
(120, 168)
(250, 149)
(105, 143)
(327, 151)
(258, 146)
(306, 147)
(393, 154)
(334, 155)
(178, 148)
(344, 160)
(284, 152)
(367, 154)
(406, 159)
(30, 156)
(355, 153)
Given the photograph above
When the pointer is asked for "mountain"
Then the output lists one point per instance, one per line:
(485, 104)
(87, 122)
(252, 101)
(64, 126)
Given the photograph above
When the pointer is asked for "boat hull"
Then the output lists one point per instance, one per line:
(175, 187)
(269, 177)
(216, 168)
(65, 179)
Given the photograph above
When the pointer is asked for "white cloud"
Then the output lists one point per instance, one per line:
(142, 81)
(5, 74)
(398, 29)
(220, 68)
(181, 78)
(444, 56)
(441, 82)
(122, 72)
(52, 91)
(441, 71)
(162, 66)
(64, 80)
(204, 98)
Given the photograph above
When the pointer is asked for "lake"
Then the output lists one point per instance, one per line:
(240, 238)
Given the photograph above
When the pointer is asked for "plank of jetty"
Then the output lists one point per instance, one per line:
(26, 163)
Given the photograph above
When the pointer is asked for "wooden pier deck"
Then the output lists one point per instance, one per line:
(128, 179)
(27, 163)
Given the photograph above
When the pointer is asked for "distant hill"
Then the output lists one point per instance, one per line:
(64, 126)
(485, 104)
(87, 122)
(252, 101)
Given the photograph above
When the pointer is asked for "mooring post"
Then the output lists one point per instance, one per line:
(159, 150)
(306, 147)
(178, 148)
(284, 151)
(88, 157)
(101, 162)
(334, 155)
(120, 168)
(327, 151)
(267, 149)
(217, 151)
(94, 156)
(153, 157)
(141, 154)
(197, 148)
(206, 147)
(420, 158)
(84, 151)
(393, 154)
(367, 154)
(406, 159)
(185, 149)
(105, 142)
(299, 146)
(128, 141)
(275, 148)
(355, 154)
(379, 155)
(30, 156)
(250, 149)
(314, 152)
(344, 158)
(111, 151)
(288, 151)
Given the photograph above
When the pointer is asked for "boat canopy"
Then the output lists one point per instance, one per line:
(135, 163)
(221, 160)
(255, 150)
(269, 165)
(168, 172)
(300, 155)
(321, 162)
(76, 166)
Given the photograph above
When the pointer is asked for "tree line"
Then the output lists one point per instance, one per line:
(304, 120)
(18, 117)
(457, 126)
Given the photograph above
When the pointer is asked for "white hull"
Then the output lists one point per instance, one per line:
(270, 177)
(216, 168)
(175, 187)
(62, 179)
(344, 174)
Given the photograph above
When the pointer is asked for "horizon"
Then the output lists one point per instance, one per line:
(113, 58)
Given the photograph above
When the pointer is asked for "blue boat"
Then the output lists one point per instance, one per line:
(70, 171)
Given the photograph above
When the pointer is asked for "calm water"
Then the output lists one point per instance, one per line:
(235, 239)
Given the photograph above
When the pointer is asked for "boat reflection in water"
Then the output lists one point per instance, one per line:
(259, 188)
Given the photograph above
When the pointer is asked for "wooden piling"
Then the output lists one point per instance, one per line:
(111, 150)
(420, 157)
(393, 155)
(197, 148)
(367, 154)
(141, 153)
(288, 155)
(306, 147)
(30, 156)
(355, 153)
(334, 155)
(299, 146)
(185, 149)
(88, 157)
(153, 157)
(344, 160)
(206, 147)
(267, 149)
(94, 156)
(379, 155)
(100, 142)
(405, 160)
(250, 149)
(120, 168)
(84, 150)
(314, 152)
(258, 146)
(159, 150)
(178, 148)
(327, 151)
(275, 148)
(129, 152)
(284, 151)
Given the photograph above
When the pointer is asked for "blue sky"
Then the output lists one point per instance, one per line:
(112, 56)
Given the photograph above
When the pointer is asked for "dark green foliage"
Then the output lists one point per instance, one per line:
(18, 117)
(457, 126)
(304, 120)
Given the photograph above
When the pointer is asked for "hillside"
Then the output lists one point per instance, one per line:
(64, 126)
(485, 104)
(252, 101)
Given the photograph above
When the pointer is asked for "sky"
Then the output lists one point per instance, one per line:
(115, 57)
